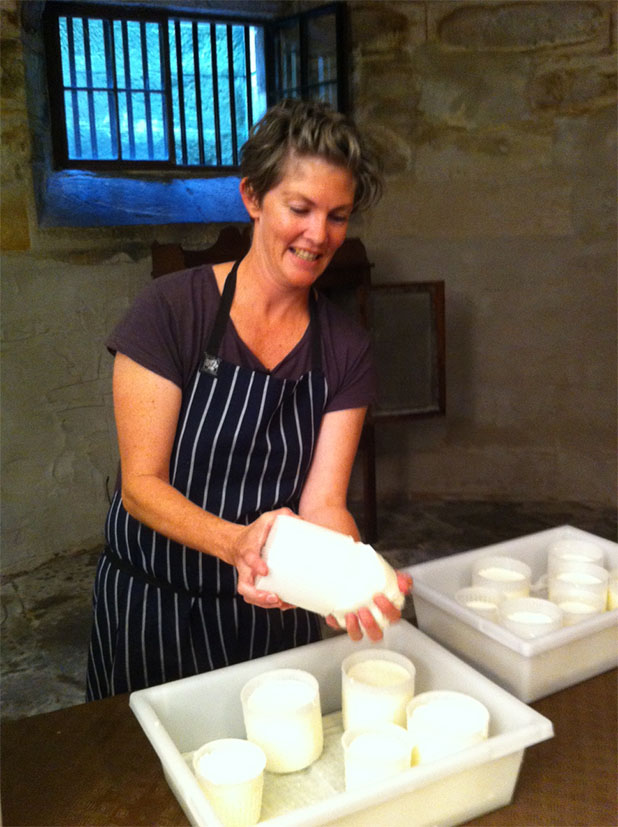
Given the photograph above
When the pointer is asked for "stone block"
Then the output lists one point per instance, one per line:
(11, 68)
(384, 28)
(468, 91)
(14, 223)
(524, 26)
(575, 85)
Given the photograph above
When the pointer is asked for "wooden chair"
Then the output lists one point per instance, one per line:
(347, 280)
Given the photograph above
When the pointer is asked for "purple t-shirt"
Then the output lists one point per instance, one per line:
(167, 328)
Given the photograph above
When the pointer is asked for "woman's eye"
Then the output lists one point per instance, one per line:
(339, 219)
(299, 210)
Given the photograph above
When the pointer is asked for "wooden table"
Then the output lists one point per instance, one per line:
(92, 765)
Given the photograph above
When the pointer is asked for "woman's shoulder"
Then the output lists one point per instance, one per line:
(165, 328)
(178, 285)
(341, 323)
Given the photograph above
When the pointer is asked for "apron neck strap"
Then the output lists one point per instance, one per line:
(223, 314)
(223, 311)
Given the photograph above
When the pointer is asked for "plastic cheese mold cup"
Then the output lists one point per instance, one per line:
(376, 685)
(481, 600)
(443, 722)
(342, 575)
(230, 771)
(580, 589)
(507, 575)
(612, 591)
(282, 714)
(573, 550)
(530, 617)
(371, 755)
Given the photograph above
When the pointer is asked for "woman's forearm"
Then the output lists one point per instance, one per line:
(163, 508)
(336, 517)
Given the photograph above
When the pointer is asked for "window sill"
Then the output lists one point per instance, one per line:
(74, 198)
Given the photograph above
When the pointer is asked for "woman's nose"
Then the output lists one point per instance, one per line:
(317, 229)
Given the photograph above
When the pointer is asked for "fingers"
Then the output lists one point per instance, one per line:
(370, 625)
(263, 599)
(363, 623)
(353, 626)
(404, 581)
(332, 622)
(390, 612)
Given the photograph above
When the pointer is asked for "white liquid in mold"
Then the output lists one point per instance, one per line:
(530, 617)
(378, 673)
(577, 607)
(581, 578)
(480, 605)
(506, 575)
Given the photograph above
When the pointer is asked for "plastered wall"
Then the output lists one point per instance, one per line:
(498, 126)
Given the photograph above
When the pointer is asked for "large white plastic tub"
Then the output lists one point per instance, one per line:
(529, 669)
(179, 717)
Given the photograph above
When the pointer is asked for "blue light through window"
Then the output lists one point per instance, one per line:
(125, 80)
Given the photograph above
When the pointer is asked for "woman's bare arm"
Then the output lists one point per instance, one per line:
(324, 501)
(146, 408)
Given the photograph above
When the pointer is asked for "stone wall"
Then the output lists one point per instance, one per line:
(498, 125)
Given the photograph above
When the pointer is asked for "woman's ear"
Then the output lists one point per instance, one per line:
(249, 198)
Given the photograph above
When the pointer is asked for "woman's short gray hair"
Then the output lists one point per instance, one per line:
(308, 128)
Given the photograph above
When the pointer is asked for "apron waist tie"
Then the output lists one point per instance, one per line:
(139, 574)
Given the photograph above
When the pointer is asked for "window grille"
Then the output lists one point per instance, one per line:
(310, 54)
(171, 91)
(149, 88)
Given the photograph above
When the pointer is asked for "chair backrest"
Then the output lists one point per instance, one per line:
(231, 244)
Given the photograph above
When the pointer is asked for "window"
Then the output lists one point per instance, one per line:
(134, 88)
(310, 56)
(154, 88)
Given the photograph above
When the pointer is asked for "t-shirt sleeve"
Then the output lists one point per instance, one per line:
(349, 363)
(164, 328)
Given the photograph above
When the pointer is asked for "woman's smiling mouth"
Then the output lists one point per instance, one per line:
(305, 255)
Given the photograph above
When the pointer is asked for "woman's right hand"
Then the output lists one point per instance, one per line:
(246, 558)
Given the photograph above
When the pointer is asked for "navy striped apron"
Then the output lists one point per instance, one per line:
(244, 444)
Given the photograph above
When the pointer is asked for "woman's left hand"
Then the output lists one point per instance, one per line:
(362, 622)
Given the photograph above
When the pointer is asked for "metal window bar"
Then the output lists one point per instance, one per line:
(248, 89)
(198, 92)
(73, 75)
(215, 92)
(168, 108)
(230, 71)
(94, 150)
(112, 87)
(146, 75)
(128, 89)
(304, 57)
(181, 95)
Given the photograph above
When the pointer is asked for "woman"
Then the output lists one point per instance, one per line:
(239, 394)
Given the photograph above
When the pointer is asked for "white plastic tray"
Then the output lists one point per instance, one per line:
(179, 717)
(529, 669)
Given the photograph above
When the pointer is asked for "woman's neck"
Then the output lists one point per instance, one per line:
(269, 319)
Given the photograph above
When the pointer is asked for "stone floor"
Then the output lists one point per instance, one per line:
(45, 620)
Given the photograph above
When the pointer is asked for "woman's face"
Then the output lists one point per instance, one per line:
(302, 220)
